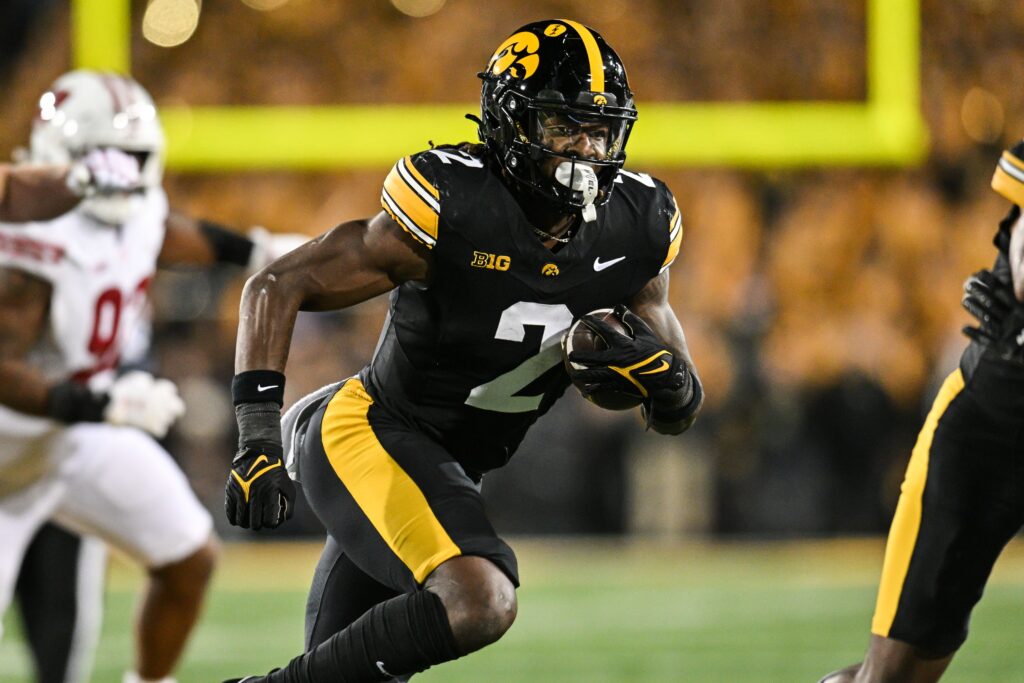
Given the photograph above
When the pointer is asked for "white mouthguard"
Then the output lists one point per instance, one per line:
(583, 180)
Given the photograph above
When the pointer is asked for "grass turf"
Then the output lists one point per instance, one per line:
(599, 612)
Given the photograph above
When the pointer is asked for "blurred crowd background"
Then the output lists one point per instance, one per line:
(821, 305)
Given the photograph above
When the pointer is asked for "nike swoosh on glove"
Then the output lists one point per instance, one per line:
(639, 364)
(259, 492)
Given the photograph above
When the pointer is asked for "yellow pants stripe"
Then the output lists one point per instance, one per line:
(389, 498)
(907, 521)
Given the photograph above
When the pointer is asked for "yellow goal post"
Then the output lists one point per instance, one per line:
(886, 129)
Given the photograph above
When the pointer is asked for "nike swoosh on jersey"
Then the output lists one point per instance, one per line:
(599, 266)
(261, 388)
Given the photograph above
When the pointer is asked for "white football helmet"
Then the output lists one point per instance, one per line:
(84, 110)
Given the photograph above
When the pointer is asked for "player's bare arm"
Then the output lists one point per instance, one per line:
(185, 243)
(201, 243)
(34, 192)
(651, 304)
(349, 264)
(24, 305)
(24, 317)
(39, 192)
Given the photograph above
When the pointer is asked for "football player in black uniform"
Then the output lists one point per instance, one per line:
(490, 252)
(963, 496)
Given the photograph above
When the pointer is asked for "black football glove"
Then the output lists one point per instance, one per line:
(640, 365)
(1000, 316)
(989, 300)
(259, 492)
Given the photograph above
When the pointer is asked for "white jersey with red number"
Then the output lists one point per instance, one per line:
(111, 481)
(99, 275)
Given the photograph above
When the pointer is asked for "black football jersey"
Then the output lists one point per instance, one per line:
(474, 357)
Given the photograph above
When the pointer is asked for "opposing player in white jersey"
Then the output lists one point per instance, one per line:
(73, 442)
(59, 568)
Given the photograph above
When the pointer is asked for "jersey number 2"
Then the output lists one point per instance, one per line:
(499, 394)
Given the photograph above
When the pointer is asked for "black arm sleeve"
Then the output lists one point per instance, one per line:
(228, 246)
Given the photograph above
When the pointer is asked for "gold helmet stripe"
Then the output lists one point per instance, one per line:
(593, 54)
(1009, 178)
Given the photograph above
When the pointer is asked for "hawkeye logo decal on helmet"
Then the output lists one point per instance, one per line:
(517, 53)
(549, 269)
(600, 100)
(554, 30)
(481, 259)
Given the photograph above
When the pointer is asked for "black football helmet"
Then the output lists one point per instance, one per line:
(556, 79)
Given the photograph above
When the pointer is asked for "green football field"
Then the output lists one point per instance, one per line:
(599, 612)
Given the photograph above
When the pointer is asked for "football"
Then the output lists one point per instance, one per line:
(579, 337)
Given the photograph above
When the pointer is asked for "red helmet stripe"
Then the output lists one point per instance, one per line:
(111, 84)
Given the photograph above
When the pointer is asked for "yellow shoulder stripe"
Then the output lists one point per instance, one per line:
(412, 201)
(1008, 179)
(593, 56)
(1009, 157)
(418, 177)
(675, 236)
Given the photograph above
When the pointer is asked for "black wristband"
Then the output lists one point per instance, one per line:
(259, 424)
(74, 402)
(257, 386)
(228, 246)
